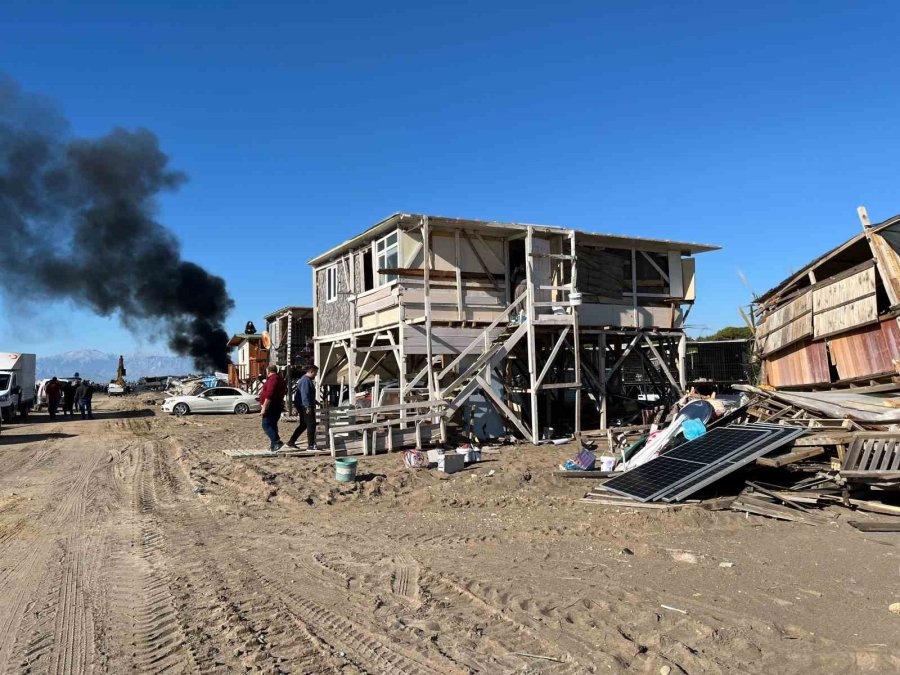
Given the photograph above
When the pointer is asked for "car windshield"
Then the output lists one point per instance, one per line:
(4, 382)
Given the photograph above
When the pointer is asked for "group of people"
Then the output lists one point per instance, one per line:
(72, 396)
(272, 398)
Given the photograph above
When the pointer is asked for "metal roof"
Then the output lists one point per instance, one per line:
(238, 338)
(486, 226)
(272, 315)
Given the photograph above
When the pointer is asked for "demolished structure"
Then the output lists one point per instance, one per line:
(418, 312)
(826, 411)
(834, 323)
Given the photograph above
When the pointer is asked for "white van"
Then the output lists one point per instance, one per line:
(17, 390)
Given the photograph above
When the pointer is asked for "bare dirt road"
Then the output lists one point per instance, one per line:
(132, 544)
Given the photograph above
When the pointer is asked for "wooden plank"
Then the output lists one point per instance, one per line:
(868, 351)
(840, 292)
(791, 457)
(823, 439)
(847, 317)
(584, 474)
(873, 474)
(787, 313)
(446, 340)
(800, 365)
(888, 265)
(762, 507)
(875, 525)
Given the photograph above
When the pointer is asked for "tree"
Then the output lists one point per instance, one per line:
(730, 333)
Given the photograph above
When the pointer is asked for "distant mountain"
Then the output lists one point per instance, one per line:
(101, 367)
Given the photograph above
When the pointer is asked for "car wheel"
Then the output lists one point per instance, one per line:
(241, 409)
(181, 409)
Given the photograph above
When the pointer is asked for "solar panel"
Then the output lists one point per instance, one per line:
(718, 471)
(718, 443)
(647, 480)
(693, 465)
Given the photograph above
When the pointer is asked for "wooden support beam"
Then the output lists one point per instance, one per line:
(482, 263)
(663, 365)
(601, 346)
(484, 337)
(656, 267)
(501, 406)
(487, 249)
(621, 360)
(532, 341)
(429, 343)
(576, 334)
(634, 288)
(459, 287)
(410, 259)
(553, 353)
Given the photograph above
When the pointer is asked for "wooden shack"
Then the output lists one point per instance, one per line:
(418, 312)
(834, 323)
(290, 333)
(251, 358)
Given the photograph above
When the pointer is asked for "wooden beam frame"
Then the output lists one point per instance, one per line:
(501, 406)
(481, 262)
(553, 353)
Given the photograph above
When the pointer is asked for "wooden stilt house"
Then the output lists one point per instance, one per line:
(419, 312)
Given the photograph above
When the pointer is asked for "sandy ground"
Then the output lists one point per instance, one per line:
(132, 544)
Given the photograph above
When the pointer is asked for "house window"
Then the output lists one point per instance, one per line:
(387, 256)
(331, 283)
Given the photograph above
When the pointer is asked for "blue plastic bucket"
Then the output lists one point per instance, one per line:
(345, 469)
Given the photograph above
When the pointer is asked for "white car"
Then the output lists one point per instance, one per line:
(214, 400)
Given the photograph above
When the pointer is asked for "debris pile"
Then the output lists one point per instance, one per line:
(802, 451)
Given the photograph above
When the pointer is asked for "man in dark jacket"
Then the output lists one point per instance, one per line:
(272, 399)
(305, 401)
(54, 393)
(84, 394)
(68, 398)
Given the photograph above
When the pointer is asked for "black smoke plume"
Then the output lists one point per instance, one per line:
(77, 222)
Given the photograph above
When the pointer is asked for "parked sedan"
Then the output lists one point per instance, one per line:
(214, 400)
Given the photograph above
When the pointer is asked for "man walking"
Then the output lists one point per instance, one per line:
(83, 394)
(272, 399)
(305, 401)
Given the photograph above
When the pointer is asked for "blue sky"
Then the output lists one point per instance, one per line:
(759, 127)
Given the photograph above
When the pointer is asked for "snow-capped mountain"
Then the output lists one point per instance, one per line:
(101, 366)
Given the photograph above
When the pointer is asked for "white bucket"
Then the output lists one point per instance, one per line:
(607, 463)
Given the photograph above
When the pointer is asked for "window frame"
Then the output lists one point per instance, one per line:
(384, 279)
(331, 291)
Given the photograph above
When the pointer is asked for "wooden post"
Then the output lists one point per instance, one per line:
(459, 288)
(429, 352)
(601, 346)
(682, 354)
(376, 391)
(290, 398)
(634, 287)
(573, 279)
(351, 368)
(532, 347)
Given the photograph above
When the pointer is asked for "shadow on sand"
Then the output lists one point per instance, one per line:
(98, 415)
(7, 438)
